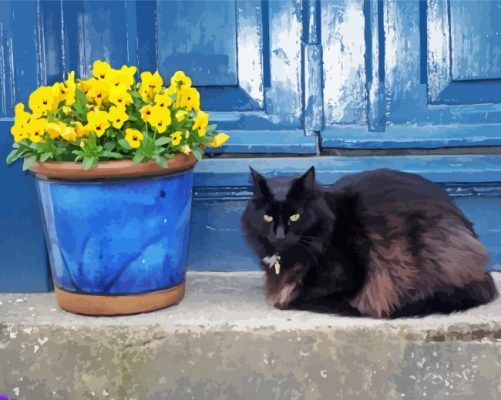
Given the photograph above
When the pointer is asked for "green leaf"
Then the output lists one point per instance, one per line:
(45, 156)
(161, 161)
(109, 146)
(91, 144)
(88, 163)
(124, 144)
(13, 156)
(28, 162)
(138, 157)
(211, 128)
(198, 153)
(162, 140)
(80, 96)
(79, 108)
(135, 94)
(112, 154)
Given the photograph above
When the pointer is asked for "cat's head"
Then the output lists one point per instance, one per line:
(287, 212)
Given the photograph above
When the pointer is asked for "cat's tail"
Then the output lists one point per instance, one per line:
(460, 262)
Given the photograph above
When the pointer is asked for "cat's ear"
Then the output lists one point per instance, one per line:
(303, 184)
(309, 179)
(261, 188)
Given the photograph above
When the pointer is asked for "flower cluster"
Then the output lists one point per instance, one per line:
(111, 116)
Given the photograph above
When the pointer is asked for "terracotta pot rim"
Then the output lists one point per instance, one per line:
(68, 170)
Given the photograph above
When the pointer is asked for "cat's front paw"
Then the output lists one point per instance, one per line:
(282, 297)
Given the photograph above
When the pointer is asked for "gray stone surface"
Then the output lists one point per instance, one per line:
(223, 342)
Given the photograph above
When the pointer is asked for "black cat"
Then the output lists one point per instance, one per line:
(381, 243)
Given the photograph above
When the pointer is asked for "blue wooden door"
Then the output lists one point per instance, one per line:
(422, 74)
(283, 77)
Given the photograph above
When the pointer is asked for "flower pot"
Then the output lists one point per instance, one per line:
(117, 235)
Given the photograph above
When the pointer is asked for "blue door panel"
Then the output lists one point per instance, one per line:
(23, 257)
(223, 187)
(200, 38)
(217, 242)
(429, 64)
(475, 40)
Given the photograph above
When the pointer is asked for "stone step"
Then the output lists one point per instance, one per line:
(223, 342)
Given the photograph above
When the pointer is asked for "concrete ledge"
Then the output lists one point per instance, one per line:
(223, 342)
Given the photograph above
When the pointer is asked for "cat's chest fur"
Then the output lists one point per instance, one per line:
(284, 280)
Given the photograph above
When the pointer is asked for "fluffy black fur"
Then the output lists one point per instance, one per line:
(381, 243)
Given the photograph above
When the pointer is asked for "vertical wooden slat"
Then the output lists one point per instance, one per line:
(250, 48)
(283, 99)
(51, 41)
(72, 21)
(131, 32)
(312, 68)
(439, 68)
(146, 35)
(343, 46)
(404, 93)
(375, 68)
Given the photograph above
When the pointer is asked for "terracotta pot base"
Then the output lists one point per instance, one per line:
(99, 305)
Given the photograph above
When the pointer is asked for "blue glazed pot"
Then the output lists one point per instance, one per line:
(117, 243)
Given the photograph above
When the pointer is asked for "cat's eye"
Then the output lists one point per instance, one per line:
(267, 218)
(294, 217)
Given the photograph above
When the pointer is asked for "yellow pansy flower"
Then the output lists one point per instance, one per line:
(21, 121)
(36, 130)
(180, 115)
(70, 89)
(101, 69)
(176, 138)
(117, 116)
(42, 100)
(163, 100)
(146, 113)
(188, 98)
(53, 129)
(123, 76)
(133, 137)
(120, 96)
(151, 84)
(219, 140)
(200, 123)
(180, 81)
(160, 118)
(85, 85)
(82, 130)
(98, 121)
(186, 149)
(65, 91)
(99, 92)
(60, 129)
(171, 90)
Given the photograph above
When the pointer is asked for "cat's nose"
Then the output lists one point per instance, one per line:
(280, 233)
